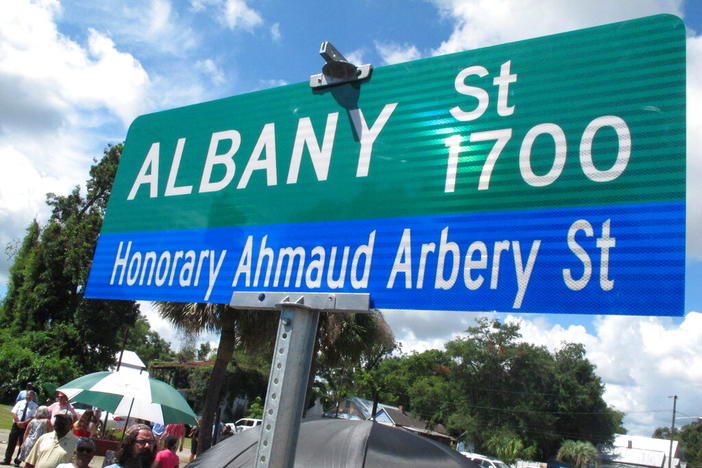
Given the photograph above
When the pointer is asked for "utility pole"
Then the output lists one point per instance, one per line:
(672, 429)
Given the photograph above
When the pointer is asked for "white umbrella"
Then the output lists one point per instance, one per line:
(131, 394)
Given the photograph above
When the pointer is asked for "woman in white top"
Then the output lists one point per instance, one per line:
(37, 427)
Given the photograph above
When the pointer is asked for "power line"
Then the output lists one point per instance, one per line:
(516, 410)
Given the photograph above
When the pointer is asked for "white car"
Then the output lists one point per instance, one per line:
(244, 424)
(485, 461)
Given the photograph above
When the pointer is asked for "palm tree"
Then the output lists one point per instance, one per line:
(194, 318)
(345, 339)
(340, 337)
(508, 447)
(580, 454)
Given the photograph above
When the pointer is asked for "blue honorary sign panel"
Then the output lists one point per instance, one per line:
(545, 175)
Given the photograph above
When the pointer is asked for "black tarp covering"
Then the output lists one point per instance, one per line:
(338, 443)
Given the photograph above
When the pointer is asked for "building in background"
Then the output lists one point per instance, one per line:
(638, 451)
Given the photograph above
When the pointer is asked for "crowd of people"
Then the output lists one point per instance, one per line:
(55, 436)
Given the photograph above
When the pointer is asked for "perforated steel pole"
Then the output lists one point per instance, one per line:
(290, 366)
(287, 385)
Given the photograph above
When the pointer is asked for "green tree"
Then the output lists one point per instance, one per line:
(146, 343)
(508, 447)
(243, 380)
(204, 351)
(357, 375)
(689, 438)
(194, 318)
(493, 390)
(256, 408)
(34, 356)
(51, 267)
(339, 337)
(584, 415)
(505, 384)
(252, 330)
(186, 354)
(347, 348)
(45, 292)
(580, 454)
(22, 272)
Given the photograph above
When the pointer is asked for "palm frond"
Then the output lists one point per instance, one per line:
(192, 317)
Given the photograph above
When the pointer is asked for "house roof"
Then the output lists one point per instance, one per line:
(366, 406)
(639, 450)
(637, 457)
(401, 418)
(397, 416)
(644, 443)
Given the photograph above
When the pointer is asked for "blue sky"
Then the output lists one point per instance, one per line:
(74, 74)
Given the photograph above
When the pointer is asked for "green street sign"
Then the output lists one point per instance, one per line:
(545, 175)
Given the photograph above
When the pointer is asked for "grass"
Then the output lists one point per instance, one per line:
(5, 417)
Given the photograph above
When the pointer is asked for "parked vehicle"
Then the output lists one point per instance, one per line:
(484, 461)
(244, 424)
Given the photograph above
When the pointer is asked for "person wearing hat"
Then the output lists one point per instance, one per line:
(62, 406)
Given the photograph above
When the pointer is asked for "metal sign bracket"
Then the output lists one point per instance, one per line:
(290, 367)
(337, 70)
(329, 302)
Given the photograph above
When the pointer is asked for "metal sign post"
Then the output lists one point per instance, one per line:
(290, 367)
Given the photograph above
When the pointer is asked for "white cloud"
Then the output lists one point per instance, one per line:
(159, 26)
(56, 95)
(213, 72)
(422, 326)
(113, 79)
(272, 83)
(147, 27)
(169, 332)
(481, 23)
(275, 32)
(163, 327)
(19, 203)
(159, 17)
(538, 330)
(197, 5)
(237, 14)
(33, 165)
(644, 360)
(48, 70)
(355, 57)
(392, 53)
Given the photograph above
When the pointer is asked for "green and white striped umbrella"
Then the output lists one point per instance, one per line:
(132, 394)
